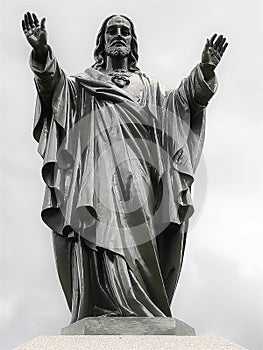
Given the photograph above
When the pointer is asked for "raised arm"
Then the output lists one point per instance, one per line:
(197, 89)
(43, 63)
(56, 93)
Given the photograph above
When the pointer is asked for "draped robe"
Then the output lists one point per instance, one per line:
(118, 169)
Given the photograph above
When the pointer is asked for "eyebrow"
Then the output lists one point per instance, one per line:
(118, 25)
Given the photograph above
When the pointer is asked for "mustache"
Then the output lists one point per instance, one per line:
(118, 41)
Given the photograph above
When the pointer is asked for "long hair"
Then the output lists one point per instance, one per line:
(100, 54)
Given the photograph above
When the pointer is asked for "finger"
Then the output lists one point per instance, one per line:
(223, 49)
(218, 40)
(36, 21)
(26, 22)
(23, 25)
(30, 21)
(212, 39)
(221, 44)
(207, 44)
(42, 24)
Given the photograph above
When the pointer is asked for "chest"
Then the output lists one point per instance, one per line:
(132, 84)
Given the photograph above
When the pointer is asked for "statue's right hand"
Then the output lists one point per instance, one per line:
(35, 33)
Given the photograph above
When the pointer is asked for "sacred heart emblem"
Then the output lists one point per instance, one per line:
(120, 80)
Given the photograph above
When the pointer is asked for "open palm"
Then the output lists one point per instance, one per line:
(35, 33)
(213, 50)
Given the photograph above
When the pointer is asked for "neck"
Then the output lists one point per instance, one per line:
(113, 63)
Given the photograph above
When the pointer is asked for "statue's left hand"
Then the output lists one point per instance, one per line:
(212, 55)
(214, 50)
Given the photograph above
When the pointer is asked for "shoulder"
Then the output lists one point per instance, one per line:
(89, 73)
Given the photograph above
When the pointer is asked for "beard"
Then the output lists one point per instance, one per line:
(117, 52)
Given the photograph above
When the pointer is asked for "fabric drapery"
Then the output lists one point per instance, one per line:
(118, 171)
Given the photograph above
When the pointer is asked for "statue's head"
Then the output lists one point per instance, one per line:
(116, 38)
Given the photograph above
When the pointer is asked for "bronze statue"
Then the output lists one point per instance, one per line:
(119, 152)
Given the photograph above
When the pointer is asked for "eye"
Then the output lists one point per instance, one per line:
(110, 31)
(125, 32)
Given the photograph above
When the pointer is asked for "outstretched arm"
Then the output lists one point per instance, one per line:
(43, 64)
(48, 76)
(197, 89)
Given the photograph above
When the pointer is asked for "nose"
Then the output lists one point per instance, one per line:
(118, 32)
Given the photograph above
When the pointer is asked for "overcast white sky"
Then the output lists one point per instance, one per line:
(220, 290)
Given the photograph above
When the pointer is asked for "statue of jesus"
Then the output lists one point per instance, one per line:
(119, 156)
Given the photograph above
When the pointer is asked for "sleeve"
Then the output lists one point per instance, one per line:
(56, 95)
(196, 91)
(55, 118)
(46, 76)
(184, 122)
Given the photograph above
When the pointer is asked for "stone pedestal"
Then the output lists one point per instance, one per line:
(128, 325)
(128, 342)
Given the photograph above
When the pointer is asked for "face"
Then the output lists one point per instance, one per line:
(118, 37)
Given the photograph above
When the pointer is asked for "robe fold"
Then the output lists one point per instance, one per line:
(118, 169)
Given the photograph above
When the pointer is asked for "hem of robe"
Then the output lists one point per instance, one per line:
(104, 285)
